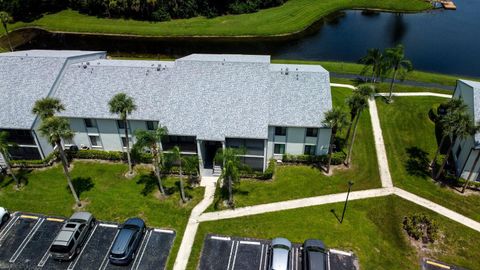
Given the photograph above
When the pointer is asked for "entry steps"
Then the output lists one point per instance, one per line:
(217, 170)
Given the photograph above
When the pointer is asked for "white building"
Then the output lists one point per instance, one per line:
(206, 102)
(466, 153)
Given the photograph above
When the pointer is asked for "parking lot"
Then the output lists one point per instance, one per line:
(26, 238)
(228, 253)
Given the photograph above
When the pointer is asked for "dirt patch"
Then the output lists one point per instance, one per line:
(84, 203)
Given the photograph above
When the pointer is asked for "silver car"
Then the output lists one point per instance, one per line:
(4, 215)
(72, 236)
(280, 254)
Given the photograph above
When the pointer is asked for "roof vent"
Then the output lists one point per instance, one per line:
(159, 67)
(85, 66)
(297, 77)
(281, 71)
(286, 71)
(88, 63)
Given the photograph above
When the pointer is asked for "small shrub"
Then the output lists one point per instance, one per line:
(421, 226)
(337, 158)
(160, 15)
(35, 162)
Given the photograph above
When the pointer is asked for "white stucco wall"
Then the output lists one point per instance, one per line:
(296, 139)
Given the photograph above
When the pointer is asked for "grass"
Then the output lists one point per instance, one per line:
(292, 182)
(411, 143)
(372, 229)
(109, 196)
(293, 16)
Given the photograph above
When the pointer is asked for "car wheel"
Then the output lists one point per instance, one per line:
(77, 251)
(5, 218)
(133, 256)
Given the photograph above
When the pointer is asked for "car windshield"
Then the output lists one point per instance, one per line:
(61, 248)
(315, 249)
(281, 247)
(130, 227)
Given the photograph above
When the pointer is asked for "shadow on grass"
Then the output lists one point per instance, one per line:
(417, 163)
(82, 184)
(21, 174)
(150, 183)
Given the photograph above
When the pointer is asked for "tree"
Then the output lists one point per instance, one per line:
(5, 19)
(395, 61)
(230, 169)
(360, 102)
(123, 105)
(373, 61)
(4, 145)
(191, 166)
(54, 129)
(335, 119)
(463, 127)
(152, 140)
(47, 107)
(177, 158)
(363, 90)
(452, 106)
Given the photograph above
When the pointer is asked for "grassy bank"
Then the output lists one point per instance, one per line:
(107, 193)
(293, 182)
(372, 229)
(410, 143)
(293, 16)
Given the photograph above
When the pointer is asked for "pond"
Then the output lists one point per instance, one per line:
(439, 40)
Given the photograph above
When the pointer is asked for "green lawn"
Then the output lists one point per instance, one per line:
(111, 196)
(292, 182)
(410, 143)
(372, 229)
(293, 16)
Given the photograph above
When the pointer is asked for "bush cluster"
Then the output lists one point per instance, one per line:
(419, 226)
(337, 158)
(247, 172)
(35, 162)
(149, 10)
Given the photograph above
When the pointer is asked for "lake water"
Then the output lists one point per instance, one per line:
(441, 41)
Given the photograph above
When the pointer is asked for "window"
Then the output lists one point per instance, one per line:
(310, 150)
(94, 140)
(150, 125)
(312, 132)
(279, 149)
(68, 141)
(121, 124)
(90, 123)
(124, 141)
(280, 131)
(81, 227)
(77, 234)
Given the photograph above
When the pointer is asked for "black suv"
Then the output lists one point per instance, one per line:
(127, 241)
(314, 255)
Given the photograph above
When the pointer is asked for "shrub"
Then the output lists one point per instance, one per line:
(247, 172)
(337, 158)
(160, 15)
(35, 162)
(421, 226)
(462, 181)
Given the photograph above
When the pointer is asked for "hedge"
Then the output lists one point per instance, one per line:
(35, 162)
(337, 158)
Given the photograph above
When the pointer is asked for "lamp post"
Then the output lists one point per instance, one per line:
(350, 184)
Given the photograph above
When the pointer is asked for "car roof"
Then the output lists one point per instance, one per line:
(316, 260)
(313, 243)
(122, 240)
(135, 221)
(2, 210)
(81, 216)
(63, 236)
(281, 241)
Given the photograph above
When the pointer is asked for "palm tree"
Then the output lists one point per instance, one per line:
(452, 106)
(47, 107)
(152, 140)
(54, 129)
(335, 119)
(5, 19)
(373, 60)
(123, 105)
(360, 103)
(463, 127)
(395, 61)
(365, 90)
(177, 158)
(231, 168)
(4, 145)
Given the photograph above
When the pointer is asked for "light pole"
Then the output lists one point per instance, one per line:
(350, 184)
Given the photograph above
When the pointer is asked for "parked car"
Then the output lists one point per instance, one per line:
(72, 236)
(4, 215)
(314, 255)
(280, 254)
(127, 241)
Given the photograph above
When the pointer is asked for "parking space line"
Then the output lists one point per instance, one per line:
(26, 240)
(296, 259)
(143, 247)
(261, 259)
(250, 243)
(104, 265)
(230, 257)
(220, 238)
(340, 252)
(108, 225)
(292, 252)
(7, 229)
(74, 263)
(266, 257)
(235, 256)
(164, 231)
(328, 260)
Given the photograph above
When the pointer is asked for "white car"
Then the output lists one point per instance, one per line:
(4, 215)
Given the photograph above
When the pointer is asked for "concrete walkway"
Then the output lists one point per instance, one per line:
(181, 261)
(414, 94)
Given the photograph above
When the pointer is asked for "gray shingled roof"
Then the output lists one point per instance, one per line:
(208, 96)
(476, 106)
(25, 77)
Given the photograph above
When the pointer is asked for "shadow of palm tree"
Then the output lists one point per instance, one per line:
(82, 184)
(149, 181)
(22, 175)
(417, 163)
